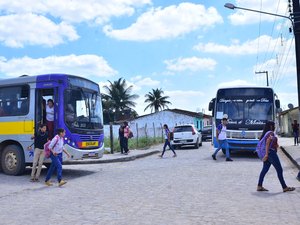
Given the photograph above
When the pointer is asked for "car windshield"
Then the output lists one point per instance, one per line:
(183, 129)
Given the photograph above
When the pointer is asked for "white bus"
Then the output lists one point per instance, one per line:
(248, 109)
(21, 113)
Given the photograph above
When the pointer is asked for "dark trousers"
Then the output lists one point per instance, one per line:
(272, 160)
(121, 141)
(125, 144)
(50, 127)
(296, 140)
(167, 143)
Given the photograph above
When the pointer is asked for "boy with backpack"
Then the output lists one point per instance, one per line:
(222, 141)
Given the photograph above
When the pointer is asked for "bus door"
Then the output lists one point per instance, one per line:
(43, 95)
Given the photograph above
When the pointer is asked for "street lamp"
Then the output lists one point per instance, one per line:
(296, 28)
(232, 6)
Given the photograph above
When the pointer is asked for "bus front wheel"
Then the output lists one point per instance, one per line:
(13, 160)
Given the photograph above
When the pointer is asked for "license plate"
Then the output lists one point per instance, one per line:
(182, 141)
(92, 154)
(87, 144)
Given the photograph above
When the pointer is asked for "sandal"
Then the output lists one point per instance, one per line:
(262, 189)
(289, 189)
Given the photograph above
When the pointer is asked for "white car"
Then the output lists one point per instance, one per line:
(186, 134)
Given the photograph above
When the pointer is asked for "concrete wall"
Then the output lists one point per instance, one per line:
(151, 125)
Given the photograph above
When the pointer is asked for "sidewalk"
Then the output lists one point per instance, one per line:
(290, 150)
(118, 157)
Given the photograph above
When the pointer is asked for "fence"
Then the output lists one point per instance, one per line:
(148, 131)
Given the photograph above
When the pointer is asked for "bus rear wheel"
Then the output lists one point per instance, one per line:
(13, 160)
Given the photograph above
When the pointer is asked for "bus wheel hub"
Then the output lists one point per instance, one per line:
(10, 161)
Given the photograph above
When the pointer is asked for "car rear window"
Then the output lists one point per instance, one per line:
(183, 129)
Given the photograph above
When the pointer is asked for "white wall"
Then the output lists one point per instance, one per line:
(151, 125)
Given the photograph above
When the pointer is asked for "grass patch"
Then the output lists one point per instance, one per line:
(134, 143)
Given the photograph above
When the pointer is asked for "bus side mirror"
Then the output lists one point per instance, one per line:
(211, 104)
(277, 103)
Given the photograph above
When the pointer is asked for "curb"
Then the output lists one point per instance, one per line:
(122, 159)
(290, 157)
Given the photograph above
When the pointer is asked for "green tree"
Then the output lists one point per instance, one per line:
(156, 100)
(118, 100)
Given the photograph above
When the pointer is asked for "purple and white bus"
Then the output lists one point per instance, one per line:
(77, 109)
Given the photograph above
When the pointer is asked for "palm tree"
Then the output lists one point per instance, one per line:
(156, 100)
(118, 98)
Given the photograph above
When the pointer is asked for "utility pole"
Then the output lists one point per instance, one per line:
(296, 23)
(267, 76)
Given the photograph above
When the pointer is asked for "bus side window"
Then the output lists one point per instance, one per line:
(24, 107)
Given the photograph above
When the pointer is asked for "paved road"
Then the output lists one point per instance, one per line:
(189, 189)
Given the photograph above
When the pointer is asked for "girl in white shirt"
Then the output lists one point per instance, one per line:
(57, 149)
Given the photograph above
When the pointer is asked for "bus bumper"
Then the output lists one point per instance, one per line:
(83, 153)
(239, 144)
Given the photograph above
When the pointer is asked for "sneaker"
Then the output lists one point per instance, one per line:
(36, 180)
(32, 179)
(61, 183)
(229, 159)
(214, 157)
(48, 183)
(298, 178)
(174, 155)
(160, 156)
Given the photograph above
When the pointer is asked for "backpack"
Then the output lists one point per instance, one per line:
(261, 146)
(130, 134)
(47, 149)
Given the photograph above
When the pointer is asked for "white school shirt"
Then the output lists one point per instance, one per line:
(49, 113)
(58, 143)
(222, 134)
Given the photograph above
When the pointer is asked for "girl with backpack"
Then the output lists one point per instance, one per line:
(57, 148)
(167, 141)
(271, 158)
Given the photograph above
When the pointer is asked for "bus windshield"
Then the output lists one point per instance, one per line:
(245, 108)
(82, 109)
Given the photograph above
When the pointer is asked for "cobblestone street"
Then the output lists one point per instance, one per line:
(189, 189)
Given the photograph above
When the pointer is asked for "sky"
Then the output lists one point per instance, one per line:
(188, 49)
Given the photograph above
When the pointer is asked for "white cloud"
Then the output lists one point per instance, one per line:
(18, 30)
(235, 83)
(169, 22)
(241, 17)
(192, 64)
(287, 98)
(266, 43)
(91, 66)
(25, 22)
(75, 11)
(140, 82)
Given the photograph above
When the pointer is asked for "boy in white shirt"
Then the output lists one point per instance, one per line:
(221, 136)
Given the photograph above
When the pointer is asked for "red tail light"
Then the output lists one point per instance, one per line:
(193, 132)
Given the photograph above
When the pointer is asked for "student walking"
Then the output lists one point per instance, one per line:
(167, 141)
(57, 148)
(222, 141)
(40, 138)
(271, 158)
(295, 127)
(126, 137)
(121, 138)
